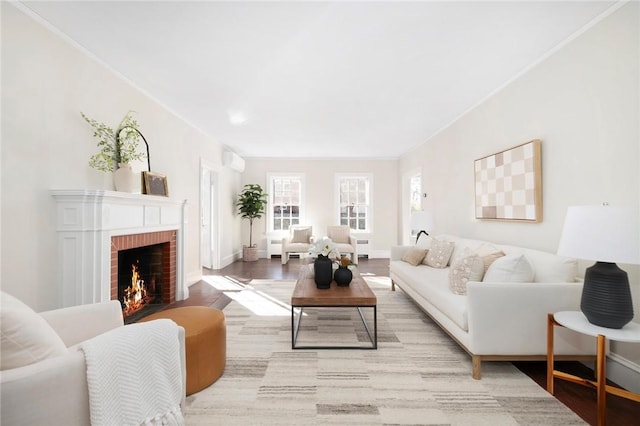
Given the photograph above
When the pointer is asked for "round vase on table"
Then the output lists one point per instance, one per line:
(126, 180)
(343, 276)
(323, 272)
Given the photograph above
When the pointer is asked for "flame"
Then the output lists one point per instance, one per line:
(135, 296)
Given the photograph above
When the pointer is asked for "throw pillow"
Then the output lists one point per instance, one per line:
(490, 258)
(440, 253)
(26, 337)
(424, 242)
(510, 269)
(301, 235)
(340, 235)
(466, 267)
(414, 255)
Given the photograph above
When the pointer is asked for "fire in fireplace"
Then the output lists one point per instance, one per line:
(140, 278)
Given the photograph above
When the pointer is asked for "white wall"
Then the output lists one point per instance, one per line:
(583, 103)
(46, 82)
(320, 195)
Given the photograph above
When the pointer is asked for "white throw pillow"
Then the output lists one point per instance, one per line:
(439, 253)
(466, 267)
(510, 269)
(26, 337)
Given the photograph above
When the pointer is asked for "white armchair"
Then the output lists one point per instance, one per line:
(344, 241)
(298, 241)
(44, 377)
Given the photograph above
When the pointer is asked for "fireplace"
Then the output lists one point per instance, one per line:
(143, 272)
(93, 226)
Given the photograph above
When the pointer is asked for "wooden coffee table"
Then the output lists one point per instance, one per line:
(357, 295)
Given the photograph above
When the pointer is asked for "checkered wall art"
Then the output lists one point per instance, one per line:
(509, 184)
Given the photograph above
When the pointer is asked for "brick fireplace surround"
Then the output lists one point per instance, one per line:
(126, 242)
(93, 224)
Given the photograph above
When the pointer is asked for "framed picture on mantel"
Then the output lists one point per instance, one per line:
(154, 184)
(509, 184)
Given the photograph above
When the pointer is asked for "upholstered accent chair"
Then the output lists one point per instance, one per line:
(298, 241)
(344, 241)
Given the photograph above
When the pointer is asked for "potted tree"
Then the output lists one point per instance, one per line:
(116, 151)
(251, 205)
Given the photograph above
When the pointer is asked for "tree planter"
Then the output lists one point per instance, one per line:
(249, 254)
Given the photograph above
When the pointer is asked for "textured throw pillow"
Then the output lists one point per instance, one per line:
(340, 235)
(440, 253)
(490, 258)
(301, 235)
(466, 267)
(26, 338)
(510, 269)
(414, 256)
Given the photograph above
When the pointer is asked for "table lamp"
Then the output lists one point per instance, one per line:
(607, 235)
(421, 221)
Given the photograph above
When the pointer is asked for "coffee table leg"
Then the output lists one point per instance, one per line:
(295, 326)
(374, 338)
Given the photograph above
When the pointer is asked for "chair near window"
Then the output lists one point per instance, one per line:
(344, 241)
(298, 242)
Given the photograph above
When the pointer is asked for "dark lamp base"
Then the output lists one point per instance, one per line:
(606, 296)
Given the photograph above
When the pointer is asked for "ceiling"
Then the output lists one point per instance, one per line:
(319, 79)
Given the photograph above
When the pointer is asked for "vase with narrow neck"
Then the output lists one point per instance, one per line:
(126, 180)
(343, 276)
(323, 272)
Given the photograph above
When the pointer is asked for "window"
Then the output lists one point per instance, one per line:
(354, 201)
(285, 201)
(415, 199)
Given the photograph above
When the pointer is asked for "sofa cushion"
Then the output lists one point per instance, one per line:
(414, 256)
(466, 267)
(510, 269)
(301, 235)
(439, 254)
(340, 234)
(26, 337)
(488, 259)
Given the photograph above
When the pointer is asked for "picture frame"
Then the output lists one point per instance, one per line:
(508, 184)
(154, 184)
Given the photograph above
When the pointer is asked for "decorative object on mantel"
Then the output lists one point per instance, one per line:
(509, 184)
(607, 235)
(343, 274)
(251, 205)
(325, 251)
(154, 184)
(118, 148)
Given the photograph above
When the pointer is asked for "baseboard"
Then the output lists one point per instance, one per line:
(623, 372)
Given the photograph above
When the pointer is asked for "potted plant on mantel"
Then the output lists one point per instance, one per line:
(118, 148)
(251, 205)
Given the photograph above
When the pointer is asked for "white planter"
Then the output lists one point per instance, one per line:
(126, 180)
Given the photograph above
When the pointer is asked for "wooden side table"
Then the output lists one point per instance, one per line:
(576, 321)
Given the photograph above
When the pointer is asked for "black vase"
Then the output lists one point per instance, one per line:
(323, 271)
(343, 276)
(606, 296)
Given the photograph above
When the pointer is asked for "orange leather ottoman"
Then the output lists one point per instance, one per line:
(205, 342)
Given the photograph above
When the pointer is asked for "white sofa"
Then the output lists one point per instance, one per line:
(498, 321)
(48, 385)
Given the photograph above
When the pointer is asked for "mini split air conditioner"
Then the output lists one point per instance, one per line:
(233, 161)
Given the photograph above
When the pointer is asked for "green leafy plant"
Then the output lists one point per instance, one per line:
(113, 149)
(251, 205)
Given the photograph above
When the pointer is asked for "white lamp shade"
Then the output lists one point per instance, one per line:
(422, 221)
(601, 233)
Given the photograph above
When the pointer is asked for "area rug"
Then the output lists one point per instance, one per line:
(417, 376)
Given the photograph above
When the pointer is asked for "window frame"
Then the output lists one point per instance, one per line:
(338, 177)
(271, 177)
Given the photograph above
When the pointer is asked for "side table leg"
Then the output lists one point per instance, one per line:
(601, 381)
(550, 323)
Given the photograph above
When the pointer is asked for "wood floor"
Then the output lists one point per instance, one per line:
(582, 400)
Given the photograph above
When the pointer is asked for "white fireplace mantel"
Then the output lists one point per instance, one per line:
(86, 221)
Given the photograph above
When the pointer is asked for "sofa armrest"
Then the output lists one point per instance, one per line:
(398, 251)
(76, 324)
(511, 318)
(50, 392)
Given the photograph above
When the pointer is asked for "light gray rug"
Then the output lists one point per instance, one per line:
(418, 375)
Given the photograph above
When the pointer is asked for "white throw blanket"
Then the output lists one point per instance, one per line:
(134, 375)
